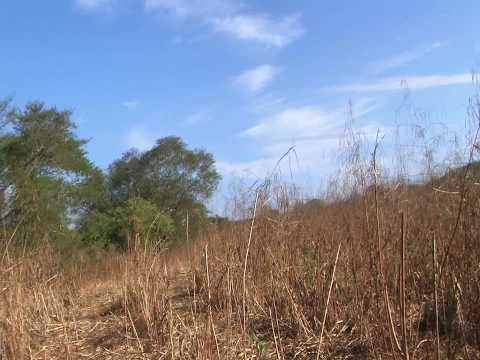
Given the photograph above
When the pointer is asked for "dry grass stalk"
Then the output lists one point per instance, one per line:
(328, 301)
(277, 351)
(246, 262)
(475, 110)
(402, 289)
(435, 293)
(210, 314)
(387, 306)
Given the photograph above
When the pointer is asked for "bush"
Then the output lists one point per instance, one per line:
(134, 220)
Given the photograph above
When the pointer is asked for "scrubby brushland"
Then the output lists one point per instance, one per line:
(127, 264)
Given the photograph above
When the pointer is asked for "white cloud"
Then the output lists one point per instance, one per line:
(256, 79)
(222, 16)
(305, 156)
(314, 131)
(295, 122)
(306, 122)
(140, 139)
(403, 58)
(404, 82)
(261, 28)
(93, 4)
(131, 104)
(199, 8)
(311, 156)
(227, 16)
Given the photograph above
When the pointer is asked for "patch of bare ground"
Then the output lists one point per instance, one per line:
(91, 327)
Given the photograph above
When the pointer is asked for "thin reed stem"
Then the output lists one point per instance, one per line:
(435, 293)
(210, 315)
(246, 262)
(402, 289)
(328, 301)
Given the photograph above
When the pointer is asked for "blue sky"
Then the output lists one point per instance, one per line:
(245, 80)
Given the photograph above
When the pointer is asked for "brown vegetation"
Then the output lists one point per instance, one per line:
(388, 270)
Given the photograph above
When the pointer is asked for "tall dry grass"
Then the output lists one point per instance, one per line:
(383, 293)
(380, 267)
(271, 274)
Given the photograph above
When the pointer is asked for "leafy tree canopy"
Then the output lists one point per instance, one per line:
(45, 174)
(132, 224)
(171, 176)
(48, 185)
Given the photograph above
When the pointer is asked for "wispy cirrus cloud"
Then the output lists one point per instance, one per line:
(306, 122)
(261, 28)
(94, 4)
(294, 122)
(197, 8)
(403, 58)
(314, 131)
(404, 82)
(228, 17)
(256, 79)
(223, 17)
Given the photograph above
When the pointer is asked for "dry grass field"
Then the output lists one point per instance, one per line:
(392, 272)
(380, 268)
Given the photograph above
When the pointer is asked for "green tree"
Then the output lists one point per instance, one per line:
(46, 176)
(177, 180)
(4, 119)
(130, 225)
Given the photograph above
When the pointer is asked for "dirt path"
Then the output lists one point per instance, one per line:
(97, 327)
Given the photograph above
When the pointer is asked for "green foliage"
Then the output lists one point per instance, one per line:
(146, 220)
(137, 219)
(101, 229)
(177, 180)
(45, 174)
(49, 188)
